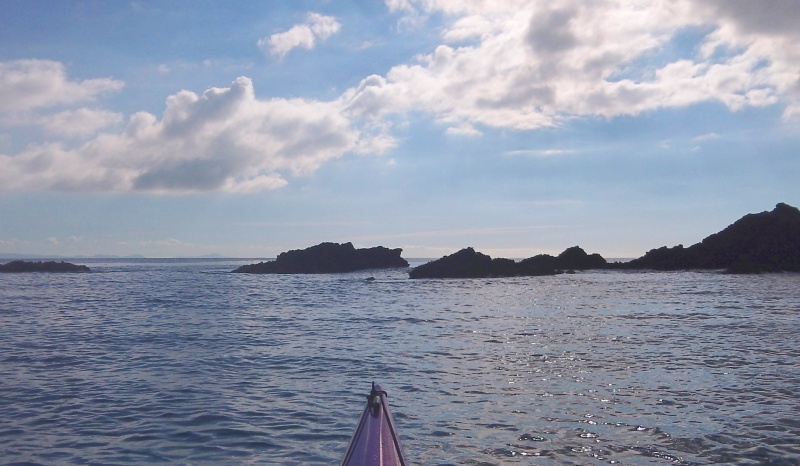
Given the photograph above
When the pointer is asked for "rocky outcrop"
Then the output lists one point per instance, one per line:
(50, 266)
(329, 258)
(574, 258)
(467, 263)
(764, 242)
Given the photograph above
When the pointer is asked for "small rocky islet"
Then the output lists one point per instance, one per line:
(467, 263)
(756, 243)
(20, 266)
(328, 258)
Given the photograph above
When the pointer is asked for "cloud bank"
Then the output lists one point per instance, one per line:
(507, 64)
(533, 64)
(223, 140)
(29, 84)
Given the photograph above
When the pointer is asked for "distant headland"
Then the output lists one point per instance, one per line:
(764, 242)
(20, 266)
(329, 258)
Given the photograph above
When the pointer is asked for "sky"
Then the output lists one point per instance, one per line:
(518, 127)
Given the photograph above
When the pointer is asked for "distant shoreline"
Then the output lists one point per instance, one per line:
(41, 257)
(764, 242)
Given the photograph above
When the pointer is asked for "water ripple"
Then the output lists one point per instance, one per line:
(179, 361)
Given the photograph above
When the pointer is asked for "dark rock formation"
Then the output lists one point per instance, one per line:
(329, 258)
(380, 257)
(50, 266)
(764, 242)
(467, 263)
(576, 258)
(573, 258)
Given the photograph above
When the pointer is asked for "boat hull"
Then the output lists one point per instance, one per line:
(375, 441)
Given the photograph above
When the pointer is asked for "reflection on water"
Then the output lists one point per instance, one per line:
(178, 361)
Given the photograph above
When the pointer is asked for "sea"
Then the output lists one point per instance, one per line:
(179, 361)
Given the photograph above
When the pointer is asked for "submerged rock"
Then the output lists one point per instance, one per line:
(49, 266)
(329, 258)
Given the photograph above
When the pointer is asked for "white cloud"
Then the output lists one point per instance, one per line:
(534, 63)
(792, 112)
(706, 137)
(772, 17)
(376, 138)
(30, 84)
(511, 64)
(253, 185)
(79, 123)
(317, 28)
(540, 152)
(463, 129)
(467, 28)
(223, 140)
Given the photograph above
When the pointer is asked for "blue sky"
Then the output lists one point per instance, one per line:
(187, 128)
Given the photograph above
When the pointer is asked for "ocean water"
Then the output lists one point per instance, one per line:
(181, 362)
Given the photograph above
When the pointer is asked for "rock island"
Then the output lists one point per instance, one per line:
(329, 258)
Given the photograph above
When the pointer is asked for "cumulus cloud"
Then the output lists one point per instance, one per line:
(225, 139)
(511, 64)
(31, 84)
(768, 36)
(79, 123)
(316, 28)
(527, 64)
(771, 17)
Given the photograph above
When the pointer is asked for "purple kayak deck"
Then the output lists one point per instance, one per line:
(375, 441)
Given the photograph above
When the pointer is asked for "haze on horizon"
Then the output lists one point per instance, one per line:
(515, 127)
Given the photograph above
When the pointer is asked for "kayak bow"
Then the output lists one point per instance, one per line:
(375, 441)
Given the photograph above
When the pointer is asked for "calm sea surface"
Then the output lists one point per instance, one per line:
(178, 361)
